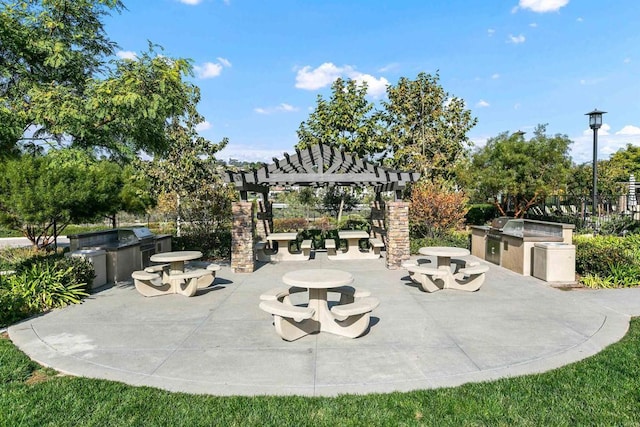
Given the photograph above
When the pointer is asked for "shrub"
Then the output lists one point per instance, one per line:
(290, 224)
(480, 214)
(595, 255)
(213, 245)
(435, 209)
(608, 261)
(40, 284)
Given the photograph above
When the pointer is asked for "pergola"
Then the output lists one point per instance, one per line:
(318, 166)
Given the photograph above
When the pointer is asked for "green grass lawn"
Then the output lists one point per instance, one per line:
(601, 390)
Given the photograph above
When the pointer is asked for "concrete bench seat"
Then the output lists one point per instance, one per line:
(376, 244)
(281, 293)
(188, 282)
(354, 318)
(291, 322)
(204, 281)
(305, 247)
(430, 279)
(156, 268)
(470, 278)
(330, 246)
(349, 294)
(150, 284)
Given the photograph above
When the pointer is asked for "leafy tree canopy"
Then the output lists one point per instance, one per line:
(515, 173)
(346, 121)
(62, 187)
(426, 127)
(56, 83)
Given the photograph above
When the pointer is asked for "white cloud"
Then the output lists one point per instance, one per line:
(542, 6)
(579, 19)
(533, 25)
(248, 154)
(491, 32)
(282, 108)
(191, 2)
(225, 62)
(627, 60)
(516, 39)
(322, 76)
(582, 148)
(205, 125)
(629, 130)
(495, 76)
(375, 87)
(126, 54)
(210, 70)
(482, 104)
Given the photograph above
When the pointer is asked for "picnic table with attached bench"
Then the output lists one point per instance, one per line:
(349, 317)
(353, 238)
(280, 248)
(172, 278)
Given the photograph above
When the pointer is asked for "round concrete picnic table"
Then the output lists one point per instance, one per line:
(176, 258)
(443, 254)
(318, 281)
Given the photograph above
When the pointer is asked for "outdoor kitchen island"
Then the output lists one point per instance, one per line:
(510, 242)
(127, 249)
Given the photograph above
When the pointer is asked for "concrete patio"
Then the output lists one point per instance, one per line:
(219, 342)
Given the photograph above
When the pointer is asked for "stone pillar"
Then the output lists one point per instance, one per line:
(397, 225)
(242, 259)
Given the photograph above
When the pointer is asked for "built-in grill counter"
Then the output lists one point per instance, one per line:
(128, 249)
(509, 242)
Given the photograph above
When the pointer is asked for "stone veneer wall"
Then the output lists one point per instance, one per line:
(242, 259)
(397, 225)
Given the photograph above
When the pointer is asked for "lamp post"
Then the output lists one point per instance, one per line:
(595, 122)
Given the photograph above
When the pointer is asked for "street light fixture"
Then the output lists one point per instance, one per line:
(595, 122)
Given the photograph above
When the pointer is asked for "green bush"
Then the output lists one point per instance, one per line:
(608, 261)
(480, 214)
(595, 255)
(41, 282)
(213, 245)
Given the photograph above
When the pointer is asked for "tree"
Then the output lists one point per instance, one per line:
(613, 174)
(337, 200)
(347, 121)
(56, 84)
(517, 174)
(41, 195)
(187, 168)
(426, 127)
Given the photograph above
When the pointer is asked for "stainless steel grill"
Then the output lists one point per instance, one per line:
(141, 235)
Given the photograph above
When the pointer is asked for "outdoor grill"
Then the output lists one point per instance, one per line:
(494, 237)
(142, 236)
(128, 249)
(508, 242)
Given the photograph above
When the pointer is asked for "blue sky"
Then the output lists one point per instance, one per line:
(516, 63)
